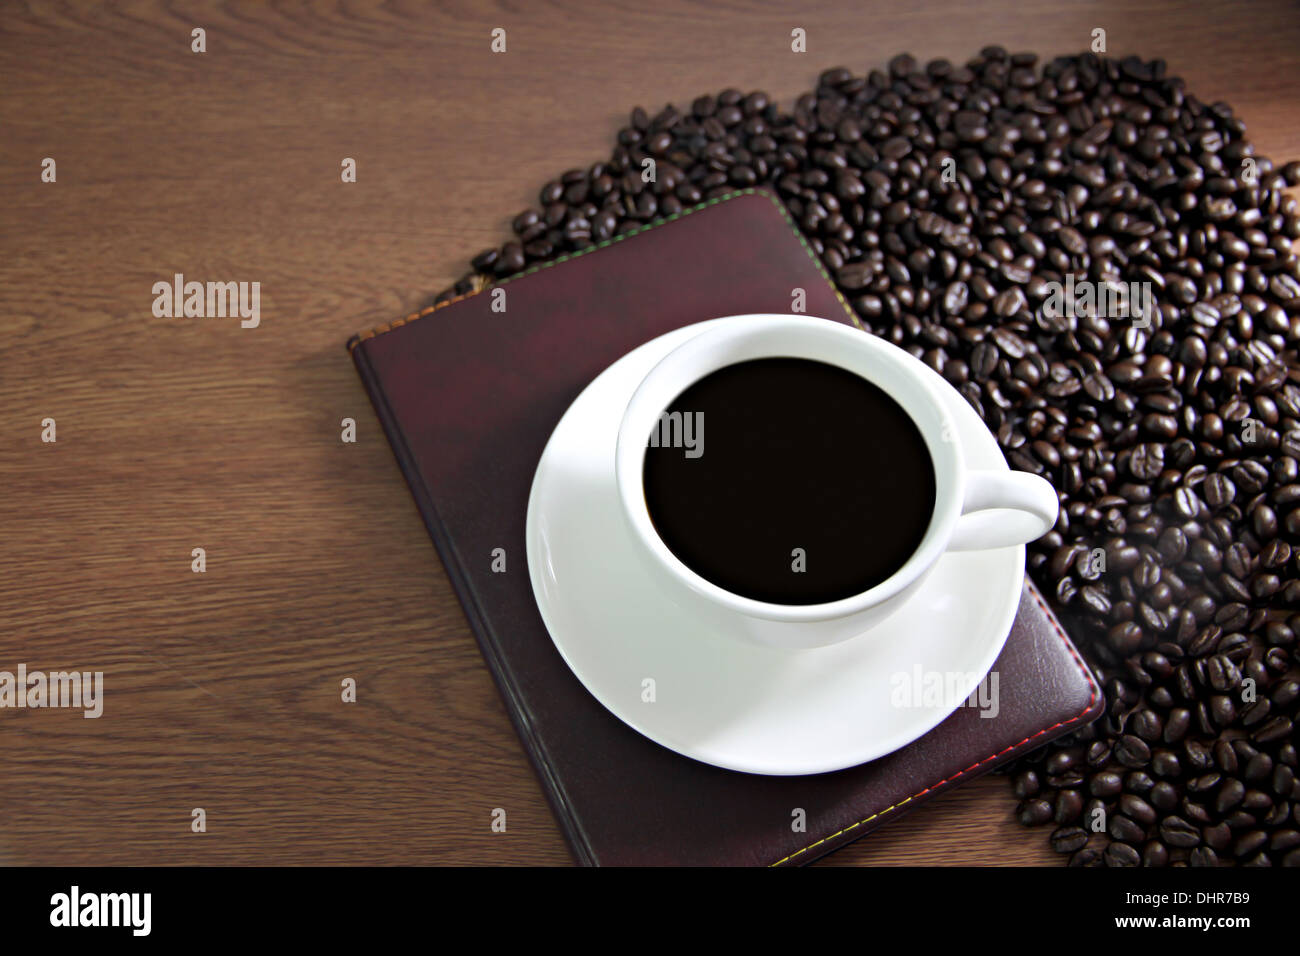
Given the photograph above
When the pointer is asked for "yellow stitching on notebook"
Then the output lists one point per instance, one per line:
(1092, 697)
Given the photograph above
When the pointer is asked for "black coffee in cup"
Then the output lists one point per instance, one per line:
(789, 481)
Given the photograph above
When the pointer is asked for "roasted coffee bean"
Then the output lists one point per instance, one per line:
(1091, 856)
(1256, 801)
(1137, 809)
(1175, 831)
(1105, 784)
(1205, 641)
(1239, 820)
(854, 276)
(1258, 767)
(1155, 854)
(1069, 804)
(1219, 491)
(1068, 839)
(1061, 761)
(1121, 827)
(1222, 710)
(1163, 796)
(1174, 446)
(1164, 763)
(1132, 751)
(1098, 753)
(1284, 839)
(1284, 779)
(1148, 726)
(1196, 756)
(1070, 778)
(1229, 796)
(1225, 757)
(1121, 854)
(1034, 811)
(1193, 811)
(1285, 693)
(1176, 725)
(1255, 713)
(1274, 730)
(1146, 463)
(1249, 843)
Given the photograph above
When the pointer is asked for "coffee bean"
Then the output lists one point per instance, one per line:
(1132, 751)
(1219, 491)
(1061, 762)
(984, 360)
(1176, 726)
(1284, 839)
(1068, 839)
(1284, 780)
(854, 276)
(1229, 796)
(1222, 710)
(1072, 240)
(1258, 767)
(1165, 763)
(1195, 812)
(1098, 753)
(1091, 856)
(1174, 446)
(1274, 730)
(1069, 804)
(1175, 831)
(1138, 809)
(1256, 800)
(1034, 811)
(1148, 726)
(1121, 827)
(955, 298)
(1105, 784)
(1146, 463)
(1249, 843)
(1155, 854)
(1255, 713)
(1196, 756)
(1286, 693)
(1096, 599)
(1225, 757)
(1027, 784)
(1217, 837)
(1009, 342)
(1121, 854)
(1163, 796)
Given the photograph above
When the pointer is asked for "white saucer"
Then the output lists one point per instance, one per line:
(717, 698)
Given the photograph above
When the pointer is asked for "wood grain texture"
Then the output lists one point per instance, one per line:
(223, 688)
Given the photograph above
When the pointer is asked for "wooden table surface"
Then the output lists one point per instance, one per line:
(223, 688)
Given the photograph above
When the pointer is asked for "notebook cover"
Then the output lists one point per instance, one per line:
(468, 400)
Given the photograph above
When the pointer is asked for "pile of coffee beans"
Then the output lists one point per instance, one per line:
(951, 204)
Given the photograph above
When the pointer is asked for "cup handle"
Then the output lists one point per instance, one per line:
(1003, 508)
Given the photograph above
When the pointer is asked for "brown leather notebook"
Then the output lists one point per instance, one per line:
(468, 398)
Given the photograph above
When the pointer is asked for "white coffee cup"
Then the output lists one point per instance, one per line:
(973, 510)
